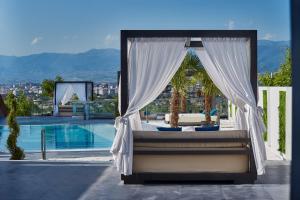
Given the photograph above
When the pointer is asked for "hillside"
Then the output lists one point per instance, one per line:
(95, 64)
(271, 54)
(102, 64)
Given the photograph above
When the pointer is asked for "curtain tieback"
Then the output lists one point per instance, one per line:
(120, 120)
(120, 141)
(260, 111)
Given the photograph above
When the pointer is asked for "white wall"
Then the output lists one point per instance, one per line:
(273, 117)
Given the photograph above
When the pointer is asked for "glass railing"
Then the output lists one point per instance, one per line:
(105, 108)
(161, 106)
(95, 109)
(42, 108)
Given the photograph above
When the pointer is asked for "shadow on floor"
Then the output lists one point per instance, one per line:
(47, 180)
(277, 172)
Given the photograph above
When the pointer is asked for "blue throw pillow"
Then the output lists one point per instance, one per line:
(168, 129)
(207, 128)
(213, 112)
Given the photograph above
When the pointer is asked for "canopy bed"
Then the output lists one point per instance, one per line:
(64, 91)
(149, 60)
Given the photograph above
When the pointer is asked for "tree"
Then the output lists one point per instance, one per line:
(116, 109)
(48, 86)
(191, 64)
(190, 72)
(180, 83)
(74, 97)
(8, 99)
(283, 77)
(16, 152)
(177, 83)
(266, 79)
(209, 90)
(24, 105)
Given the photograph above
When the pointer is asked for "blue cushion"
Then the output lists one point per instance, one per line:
(207, 128)
(213, 112)
(168, 129)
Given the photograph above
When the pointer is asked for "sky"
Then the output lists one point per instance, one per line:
(35, 26)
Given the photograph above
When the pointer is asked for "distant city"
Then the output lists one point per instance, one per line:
(104, 91)
(34, 90)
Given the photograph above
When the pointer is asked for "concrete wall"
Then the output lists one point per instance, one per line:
(273, 117)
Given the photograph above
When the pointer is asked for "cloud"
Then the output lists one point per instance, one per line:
(267, 36)
(36, 40)
(230, 24)
(110, 39)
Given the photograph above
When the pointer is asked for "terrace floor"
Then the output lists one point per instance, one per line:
(45, 180)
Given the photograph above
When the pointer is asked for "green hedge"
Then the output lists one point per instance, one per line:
(282, 112)
(265, 115)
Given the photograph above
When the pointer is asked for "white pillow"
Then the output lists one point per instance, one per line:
(148, 127)
(188, 128)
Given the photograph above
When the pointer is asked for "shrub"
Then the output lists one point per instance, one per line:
(116, 107)
(16, 152)
(281, 141)
(283, 77)
(48, 86)
(265, 114)
(24, 105)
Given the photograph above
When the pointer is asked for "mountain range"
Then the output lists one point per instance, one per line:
(101, 65)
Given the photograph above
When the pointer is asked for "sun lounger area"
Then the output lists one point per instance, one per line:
(206, 156)
(190, 119)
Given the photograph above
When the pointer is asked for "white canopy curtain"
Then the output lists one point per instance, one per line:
(74, 88)
(65, 91)
(152, 62)
(60, 90)
(227, 61)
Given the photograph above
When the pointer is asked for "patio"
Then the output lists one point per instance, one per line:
(99, 180)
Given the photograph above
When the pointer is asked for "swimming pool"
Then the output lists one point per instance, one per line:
(65, 136)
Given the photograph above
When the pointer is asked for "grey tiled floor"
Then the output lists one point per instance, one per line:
(86, 180)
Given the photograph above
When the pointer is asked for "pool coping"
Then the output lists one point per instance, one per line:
(64, 150)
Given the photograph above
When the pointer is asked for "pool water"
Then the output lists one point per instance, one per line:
(62, 136)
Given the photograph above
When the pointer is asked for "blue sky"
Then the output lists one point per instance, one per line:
(35, 26)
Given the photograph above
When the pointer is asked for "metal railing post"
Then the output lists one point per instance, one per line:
(43, 144)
